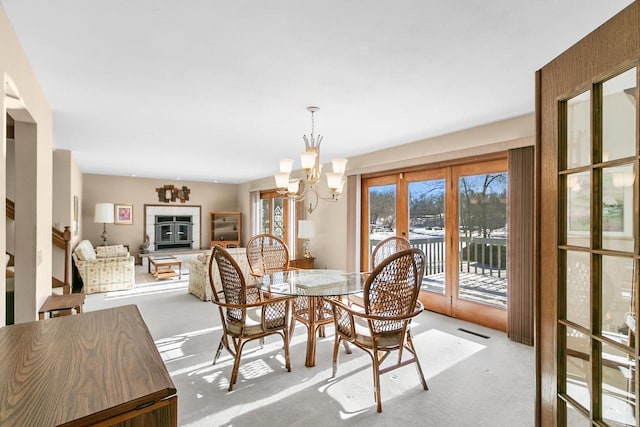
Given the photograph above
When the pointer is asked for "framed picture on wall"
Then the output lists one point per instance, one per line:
(124, 213)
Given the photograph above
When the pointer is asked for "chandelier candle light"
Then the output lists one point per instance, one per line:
(310, 159)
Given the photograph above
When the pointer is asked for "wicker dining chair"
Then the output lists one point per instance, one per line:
(382, 250)
(243, 321)
(267, 254)
(390, 302)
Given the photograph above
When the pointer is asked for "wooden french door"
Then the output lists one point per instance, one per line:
(587, 350)
(457, 215)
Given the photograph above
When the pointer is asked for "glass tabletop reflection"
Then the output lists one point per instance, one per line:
(312, 283)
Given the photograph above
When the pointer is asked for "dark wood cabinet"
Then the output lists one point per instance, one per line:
(100, 367)
(304, 263)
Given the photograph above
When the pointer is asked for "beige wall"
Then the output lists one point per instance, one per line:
(34, 252)
(141, 191)
(67, 184)
(490, 138)
(330, 244)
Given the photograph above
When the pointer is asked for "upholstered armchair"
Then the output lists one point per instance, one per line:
(199, 272)
(104, 269)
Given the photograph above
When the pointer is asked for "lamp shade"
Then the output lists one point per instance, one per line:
(286, 165)
(282, 179)
(306, 230)
(339, 166)
(308, 159)
(334, 181)
(103, 213)
(294, 186)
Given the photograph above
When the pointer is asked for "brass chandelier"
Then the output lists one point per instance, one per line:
(290, 187)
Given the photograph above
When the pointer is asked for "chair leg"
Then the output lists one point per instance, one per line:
(215, 359)
(347, 349)
(336, 346)
(292, 327)
(412, 349)
(285, 338)
(236, 364)
(376, 382)
(321, 332)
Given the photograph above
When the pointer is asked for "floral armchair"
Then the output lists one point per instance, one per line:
(105, 268)
(199, 272)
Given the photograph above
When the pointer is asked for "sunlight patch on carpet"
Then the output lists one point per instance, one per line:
(437, 352)
(353, 386)
(148, 289)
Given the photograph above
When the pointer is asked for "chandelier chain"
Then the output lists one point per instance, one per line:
(313, 124)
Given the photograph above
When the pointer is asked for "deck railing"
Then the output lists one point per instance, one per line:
(478, 255)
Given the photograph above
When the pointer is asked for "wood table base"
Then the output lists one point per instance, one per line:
(315, 324)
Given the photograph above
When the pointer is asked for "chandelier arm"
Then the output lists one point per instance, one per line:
(331, 198)
(314, 204)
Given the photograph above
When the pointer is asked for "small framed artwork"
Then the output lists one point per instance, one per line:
(124, 213)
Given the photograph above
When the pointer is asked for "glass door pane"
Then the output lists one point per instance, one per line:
(278, 217)
(265, 216)
(579, 130)
(427, 229)
(482, 238)
(617, 207)
(382, 214)
(182, 233)
(619, 116)
(618, 387)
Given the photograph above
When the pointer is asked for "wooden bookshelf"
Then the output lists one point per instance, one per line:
(226, 229)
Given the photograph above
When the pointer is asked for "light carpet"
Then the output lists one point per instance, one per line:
(472, 381)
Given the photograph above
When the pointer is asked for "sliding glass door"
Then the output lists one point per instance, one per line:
(426, 207)
(480, 274)
(457, 216)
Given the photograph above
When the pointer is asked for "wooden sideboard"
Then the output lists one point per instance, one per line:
(97, 368)
(304, 263)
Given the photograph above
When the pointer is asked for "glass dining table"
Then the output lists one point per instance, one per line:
(317, 285)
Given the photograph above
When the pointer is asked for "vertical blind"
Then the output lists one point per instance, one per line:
(520, 318)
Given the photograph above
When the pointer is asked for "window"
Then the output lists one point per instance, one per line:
(278, 217)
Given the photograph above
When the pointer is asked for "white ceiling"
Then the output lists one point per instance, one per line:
(211, 90)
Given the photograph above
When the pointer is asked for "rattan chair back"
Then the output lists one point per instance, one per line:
(267, 253)
(392, 288)
(234, 289)
(387, 247)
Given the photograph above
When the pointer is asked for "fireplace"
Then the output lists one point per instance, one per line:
(152, 212)
(173, 232)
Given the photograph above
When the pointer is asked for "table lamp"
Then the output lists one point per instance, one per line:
(104, 214)
(306, 231)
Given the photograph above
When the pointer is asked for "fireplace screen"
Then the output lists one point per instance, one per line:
(173, 232)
